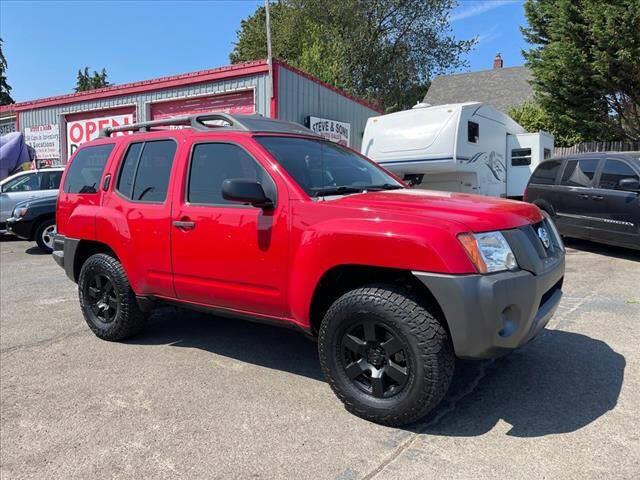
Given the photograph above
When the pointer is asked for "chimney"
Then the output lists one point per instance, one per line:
(497, 61)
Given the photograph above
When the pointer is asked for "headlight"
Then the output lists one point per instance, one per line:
(20, 212)
(488, 251)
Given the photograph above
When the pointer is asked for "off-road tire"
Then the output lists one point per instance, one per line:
(38, 235)
(128, 318)
(414, 322)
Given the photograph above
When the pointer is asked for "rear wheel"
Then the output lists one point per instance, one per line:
(44, 235)
(385, 355)
(108, 303)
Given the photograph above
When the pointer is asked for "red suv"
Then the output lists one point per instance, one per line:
(260, 218)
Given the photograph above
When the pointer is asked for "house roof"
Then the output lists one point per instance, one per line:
(501, 88)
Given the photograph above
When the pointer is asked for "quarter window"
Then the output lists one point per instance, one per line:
(579, 173)
(520, 157)
(213, 163)
(86, 169)
(546, 173)
(473, 132)
(613, 172)
(146, 168)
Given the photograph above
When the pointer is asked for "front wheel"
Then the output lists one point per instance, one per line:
(385, 355)
(45, 233)
(108, 303)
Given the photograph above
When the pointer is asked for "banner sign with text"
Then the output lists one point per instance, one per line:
(45, 139)
(82, 131)
(338, 132)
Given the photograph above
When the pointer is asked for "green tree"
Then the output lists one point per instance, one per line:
(5, 89)
(585, 60)
(87, 81)
(381, 50)
(535, 118)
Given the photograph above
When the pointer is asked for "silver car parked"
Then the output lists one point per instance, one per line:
(26, 185)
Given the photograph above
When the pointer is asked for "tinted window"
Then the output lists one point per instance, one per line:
(520, 157)
(317, 165)
(51, 180)
(154, 168)
(128, 170)
(86, 169)
(213, 163)
(546, 173)
(579, 173)
(613, 172)
(473, 132)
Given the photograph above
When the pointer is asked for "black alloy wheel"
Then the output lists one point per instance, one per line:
(375, 359)
(103, 298)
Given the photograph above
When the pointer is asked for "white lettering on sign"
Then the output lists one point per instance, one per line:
(45, 139)
(83, 131)
(338, 132)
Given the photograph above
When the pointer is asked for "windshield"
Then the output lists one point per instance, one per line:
(325, 168)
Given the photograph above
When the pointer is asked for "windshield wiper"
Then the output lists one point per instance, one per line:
(384, 186)
(342, 190)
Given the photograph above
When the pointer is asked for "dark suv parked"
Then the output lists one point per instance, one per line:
(595, 196)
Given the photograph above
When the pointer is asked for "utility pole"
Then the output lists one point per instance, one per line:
(269, 57)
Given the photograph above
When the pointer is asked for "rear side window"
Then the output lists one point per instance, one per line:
(613, 172)
(51, 180)
(145, 171)
(213, 163)
(546, 173)
(86, 169)
(520, 157)
(579, 173)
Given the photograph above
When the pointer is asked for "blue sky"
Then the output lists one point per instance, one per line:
(46, 42)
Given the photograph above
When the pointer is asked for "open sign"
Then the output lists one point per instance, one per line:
(83, 131)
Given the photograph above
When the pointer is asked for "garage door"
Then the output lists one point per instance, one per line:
(237, 102)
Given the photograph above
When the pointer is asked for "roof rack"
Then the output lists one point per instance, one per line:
(201, 122)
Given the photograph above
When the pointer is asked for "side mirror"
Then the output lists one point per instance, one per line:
(629, 184)
(246, 191)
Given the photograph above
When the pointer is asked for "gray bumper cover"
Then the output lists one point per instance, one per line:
(489, 315)
(64, 252)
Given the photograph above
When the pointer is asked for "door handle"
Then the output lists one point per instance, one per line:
(584, 195)
(597, 197)
(184, 224)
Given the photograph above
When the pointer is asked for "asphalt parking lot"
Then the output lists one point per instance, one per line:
(197, 396)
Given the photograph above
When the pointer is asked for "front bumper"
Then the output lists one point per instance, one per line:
(20, 228)
(489, 315)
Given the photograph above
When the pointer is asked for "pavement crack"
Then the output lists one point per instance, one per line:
(440, 412)
(46, 341)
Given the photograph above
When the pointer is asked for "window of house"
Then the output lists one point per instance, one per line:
(613, 172)
(86, 169)
(473, 132)
(213, 163)
(520, 157)
(579, 173)
(546, 173)
(547, 153)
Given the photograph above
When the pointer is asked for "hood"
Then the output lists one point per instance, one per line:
(477, 213)
(49, 199)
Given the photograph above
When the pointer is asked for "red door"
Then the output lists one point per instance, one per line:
(226, 254)
(237, 102)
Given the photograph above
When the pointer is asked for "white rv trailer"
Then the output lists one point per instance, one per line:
(462, 147)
